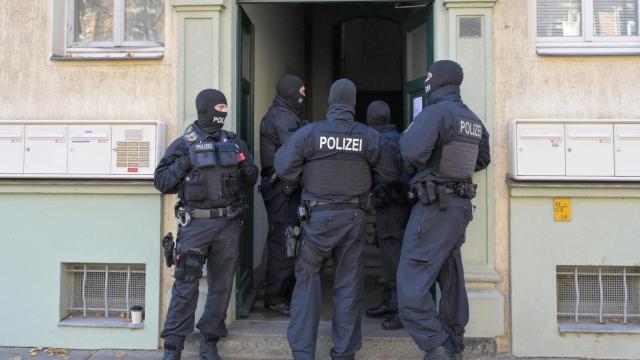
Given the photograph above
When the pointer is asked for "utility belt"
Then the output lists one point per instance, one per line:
(364, 202)
(184, 216)
(428, 192)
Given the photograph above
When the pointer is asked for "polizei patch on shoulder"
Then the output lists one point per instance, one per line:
(338, 142)
(191, 137)
(470, 129)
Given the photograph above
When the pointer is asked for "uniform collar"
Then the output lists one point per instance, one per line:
(340, 112)
(445, 93)
(216, 135)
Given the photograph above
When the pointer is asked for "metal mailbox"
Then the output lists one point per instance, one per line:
(575, 150)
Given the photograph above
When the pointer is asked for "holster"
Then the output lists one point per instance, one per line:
(293, 241)
(168, 248)
(367, 202)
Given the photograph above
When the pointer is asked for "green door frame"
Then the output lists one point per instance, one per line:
(245, 293)
(415, 87)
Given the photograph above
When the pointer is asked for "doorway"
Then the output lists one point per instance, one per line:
(384, 48)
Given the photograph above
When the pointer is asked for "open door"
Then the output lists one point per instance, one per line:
(419, 56)
(245, 293)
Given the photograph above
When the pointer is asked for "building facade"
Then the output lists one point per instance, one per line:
(523, 59)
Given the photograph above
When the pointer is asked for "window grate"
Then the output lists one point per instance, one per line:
(600, 293)
(106, 288)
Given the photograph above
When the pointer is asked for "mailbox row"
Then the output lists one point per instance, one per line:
(575, 150)
(55, 149)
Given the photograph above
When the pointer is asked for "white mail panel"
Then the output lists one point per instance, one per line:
(540, 150)
(11, 149)
(133, 149)
(45, 149)
(89, 149)
(590, 150)
(627, 149)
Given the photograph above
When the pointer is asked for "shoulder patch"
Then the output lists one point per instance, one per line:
(191, 137)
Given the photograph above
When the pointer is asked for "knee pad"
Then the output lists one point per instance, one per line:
(189, 265)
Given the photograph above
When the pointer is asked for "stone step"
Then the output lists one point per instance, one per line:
(264, 340)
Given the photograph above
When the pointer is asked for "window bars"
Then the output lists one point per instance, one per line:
(106, 287)
(602, 293)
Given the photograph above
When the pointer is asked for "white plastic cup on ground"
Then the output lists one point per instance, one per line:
(136, 314)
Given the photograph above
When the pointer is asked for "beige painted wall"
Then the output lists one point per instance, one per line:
(279, 49)
(530, 86)
(34, 87)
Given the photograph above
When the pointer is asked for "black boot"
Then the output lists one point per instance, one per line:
(439, 353)
(209, 349)
(171, 353)
(381, 310)
(392, 322)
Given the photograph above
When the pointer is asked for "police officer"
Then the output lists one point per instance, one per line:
(443, 147)
(210, 169)
(335, 160)
(392, 213)
(280, 198)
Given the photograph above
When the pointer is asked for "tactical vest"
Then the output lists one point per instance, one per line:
(457, 157)
(214, 180)
(337, 164)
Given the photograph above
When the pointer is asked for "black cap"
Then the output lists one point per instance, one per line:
(343, 91)
(378, 113)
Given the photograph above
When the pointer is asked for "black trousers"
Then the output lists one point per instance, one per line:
(391, 221)
(430, 253)
(339, 234)
(218, 239)
(280, 274)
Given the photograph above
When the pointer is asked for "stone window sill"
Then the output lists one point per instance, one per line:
(100, 322)
(571, 327)
(98, 54)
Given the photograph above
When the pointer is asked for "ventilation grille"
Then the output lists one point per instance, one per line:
(470, 27)
(106, 288)
(601, 294)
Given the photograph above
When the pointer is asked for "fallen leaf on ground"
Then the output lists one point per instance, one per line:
(120, 354)
(99, 314)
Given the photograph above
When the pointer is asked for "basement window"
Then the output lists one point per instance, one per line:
(108, 29)
(598, 299)
(587, 27)
(101, 294)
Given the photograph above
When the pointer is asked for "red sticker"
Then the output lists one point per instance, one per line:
(132, 169)
(241, 157)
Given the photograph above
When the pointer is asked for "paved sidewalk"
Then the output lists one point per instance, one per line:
(63, 354)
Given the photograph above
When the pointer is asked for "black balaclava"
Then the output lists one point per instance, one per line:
(343, 91)
(443, 73)
(288, 90)
(342, 100)
(378, 114)
(210, 119)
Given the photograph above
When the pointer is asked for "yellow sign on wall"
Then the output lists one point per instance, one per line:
(562, 209)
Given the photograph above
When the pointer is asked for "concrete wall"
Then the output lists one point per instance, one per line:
(603, 231)
(44, 226)
(34, 87)
(530, 86)
(279, 49)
